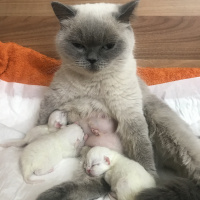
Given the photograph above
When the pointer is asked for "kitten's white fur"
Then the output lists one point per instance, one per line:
(40, 156)
(57, 119)
(126, 177)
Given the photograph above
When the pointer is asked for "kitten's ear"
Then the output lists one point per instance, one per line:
(126, 10)
(63, 11)
(107, 160)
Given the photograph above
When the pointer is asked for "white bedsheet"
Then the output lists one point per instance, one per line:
(19, 106)
(184, 98)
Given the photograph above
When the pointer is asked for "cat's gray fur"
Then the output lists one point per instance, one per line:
(179, 189)
(92, 80)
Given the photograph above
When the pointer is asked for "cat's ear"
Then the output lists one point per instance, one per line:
(107, 159)
(63, 11)
(126, 10)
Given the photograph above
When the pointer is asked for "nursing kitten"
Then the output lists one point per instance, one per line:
(101, 131)
(126, 177)
(41, 155)
(56, 120)
(98, 74)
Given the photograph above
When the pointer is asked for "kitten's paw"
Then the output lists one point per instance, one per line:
(85, 137)
(40, 172)
(95, 131)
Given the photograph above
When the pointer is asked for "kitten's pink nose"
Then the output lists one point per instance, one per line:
(58, 125)
(88, 171)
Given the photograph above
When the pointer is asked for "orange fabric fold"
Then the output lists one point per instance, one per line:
(24, 65)
(154, 76)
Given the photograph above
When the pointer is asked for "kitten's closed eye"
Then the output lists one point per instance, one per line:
(109, 46)
(96, 164)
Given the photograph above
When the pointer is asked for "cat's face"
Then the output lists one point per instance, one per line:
(97, 161)
(94, 36)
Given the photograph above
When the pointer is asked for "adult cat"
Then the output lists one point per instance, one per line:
(98, 74)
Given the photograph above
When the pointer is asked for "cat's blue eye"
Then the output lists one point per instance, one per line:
(109, 46)
(78, 46)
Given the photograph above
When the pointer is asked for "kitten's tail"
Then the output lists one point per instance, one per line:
(179, 189)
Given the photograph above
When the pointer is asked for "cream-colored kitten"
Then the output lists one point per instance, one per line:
(41, 155)
(56, 120)
(126, 177)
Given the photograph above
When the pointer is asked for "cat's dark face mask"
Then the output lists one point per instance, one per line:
(91, 43)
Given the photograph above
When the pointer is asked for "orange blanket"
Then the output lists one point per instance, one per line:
(24, 65)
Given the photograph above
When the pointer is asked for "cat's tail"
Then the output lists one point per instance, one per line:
(92, 188)
(179, 189)
(14, 143)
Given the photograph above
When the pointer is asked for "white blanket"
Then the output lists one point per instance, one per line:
(19, 105)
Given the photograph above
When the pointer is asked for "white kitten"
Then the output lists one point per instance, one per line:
(126, 177)
(57, 120)
(41, 155)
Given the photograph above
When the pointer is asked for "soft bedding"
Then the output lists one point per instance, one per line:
(25, 75)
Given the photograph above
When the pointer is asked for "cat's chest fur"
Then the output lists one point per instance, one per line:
(102, 87)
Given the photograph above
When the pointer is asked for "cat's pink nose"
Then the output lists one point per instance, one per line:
(88, 171)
